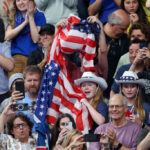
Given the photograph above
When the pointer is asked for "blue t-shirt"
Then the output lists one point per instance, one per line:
(29, 113)
(122, 69)
(102, 108)
(146, 107)
(107, 7)
(23, 43)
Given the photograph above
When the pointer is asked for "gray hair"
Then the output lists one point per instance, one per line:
(115, 19)
(123, 98)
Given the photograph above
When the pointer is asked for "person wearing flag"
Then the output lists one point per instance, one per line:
(93, 88)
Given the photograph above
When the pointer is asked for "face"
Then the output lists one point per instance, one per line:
(20, 130)
(89, 89)
(46, 39)
(133, 50)
(22, 5)
(119, 30)
(32, 83)
(116, 108)
(129, 90)
(131, 6)
(62, 122)
(137, 34)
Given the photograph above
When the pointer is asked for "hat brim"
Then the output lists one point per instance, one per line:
(141, 82)
(100, 81)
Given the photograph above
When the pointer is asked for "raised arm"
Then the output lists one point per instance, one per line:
(95, 7)
(102, 51)
(33, 28)
(13, 32)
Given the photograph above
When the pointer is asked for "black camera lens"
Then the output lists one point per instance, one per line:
(20, 107)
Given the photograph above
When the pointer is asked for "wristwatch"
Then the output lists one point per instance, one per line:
(118, 147)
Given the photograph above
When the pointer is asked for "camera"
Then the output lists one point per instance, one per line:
(20, 107)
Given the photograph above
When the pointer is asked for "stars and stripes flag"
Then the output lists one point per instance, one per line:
(57, 95)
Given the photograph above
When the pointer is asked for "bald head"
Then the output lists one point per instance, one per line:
(119, 17)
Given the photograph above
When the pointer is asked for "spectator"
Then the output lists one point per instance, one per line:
(93, 88)
(130, 86)
(12, 89)
(103, 8)
(134, 47)
(121, 133)
(74, 140)
(39, 56)
(32, 79)
(60, 129)
(51, 7)
(135, 10)
(25, 22)
(19, 131)
(117, 42)
(6, 64)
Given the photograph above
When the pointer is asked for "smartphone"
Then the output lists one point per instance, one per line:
(20, 107)
(68, 125)
(92, 137)
(143, 45)
(20, 87)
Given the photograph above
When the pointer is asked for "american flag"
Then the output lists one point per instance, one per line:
(57, 95)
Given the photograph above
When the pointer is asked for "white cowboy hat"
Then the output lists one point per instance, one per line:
(91, 77)
(130, 77)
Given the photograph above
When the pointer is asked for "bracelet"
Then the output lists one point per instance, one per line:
(118, 147)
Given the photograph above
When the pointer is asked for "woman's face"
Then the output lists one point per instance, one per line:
(22, 5)
(89, 89)
(131, 6)
(129, 90)
(62, 122)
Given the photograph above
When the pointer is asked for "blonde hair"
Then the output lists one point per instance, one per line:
(97, 98)
(12, 14)
(68, 137)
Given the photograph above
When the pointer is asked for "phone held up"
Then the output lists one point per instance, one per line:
(92, 137)
(20, 87)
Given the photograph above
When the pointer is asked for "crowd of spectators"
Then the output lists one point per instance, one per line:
(113, 76)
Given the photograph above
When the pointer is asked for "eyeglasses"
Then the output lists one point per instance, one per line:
(116, 106)
(17, 126)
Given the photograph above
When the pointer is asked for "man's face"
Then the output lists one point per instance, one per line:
(133, 51)
(116, 108)
(20, 130)
(119, 30)
(32, 83)
(137, 34)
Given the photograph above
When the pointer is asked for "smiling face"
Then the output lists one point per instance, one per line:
(89, 89)
(129, 90)
(22, 5)
(131, 6)
(117, 108)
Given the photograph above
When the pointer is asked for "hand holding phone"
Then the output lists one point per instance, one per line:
(20, 87)
(92, 137)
